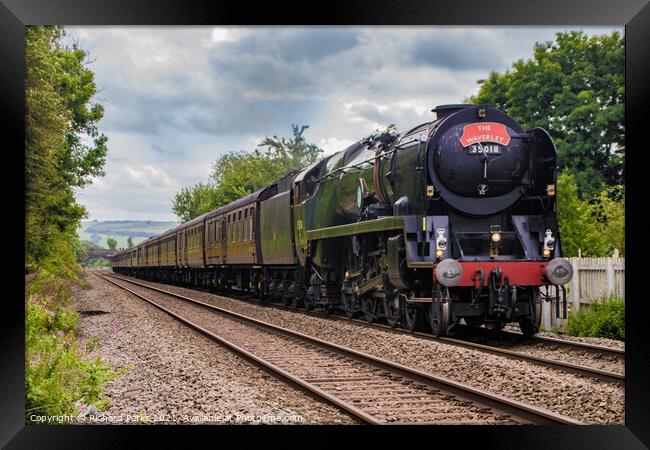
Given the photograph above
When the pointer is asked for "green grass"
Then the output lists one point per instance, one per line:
(59, 374)
(605, 318)
(552, 330)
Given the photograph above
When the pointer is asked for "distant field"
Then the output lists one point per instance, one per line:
(98, 231)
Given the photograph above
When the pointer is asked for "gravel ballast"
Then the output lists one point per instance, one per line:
(356, 382)
(585, 399)
(604, 342)
(176, 375)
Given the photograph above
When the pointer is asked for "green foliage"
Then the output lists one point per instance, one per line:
(58, 374)
(59, 267)
(605, 318)
(195, 200)
(60, 121)
(96, 263)
(577, 228)
(236, 174)
(608, 211)
(289, 154)
(63, 151)
(88, 246)
(112, 243)
(129, 242)
(596, 227)
(574, 88)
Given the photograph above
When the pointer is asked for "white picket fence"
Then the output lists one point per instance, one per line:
(593, 279)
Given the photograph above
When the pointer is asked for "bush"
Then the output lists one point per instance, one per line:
(605, 318)
(59, 375)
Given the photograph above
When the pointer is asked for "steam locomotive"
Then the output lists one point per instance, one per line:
(452, 221)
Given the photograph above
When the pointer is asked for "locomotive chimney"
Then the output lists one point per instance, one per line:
(443, 111)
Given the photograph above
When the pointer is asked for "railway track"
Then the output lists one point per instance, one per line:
(374, 390)
(595, 352)
(614, 352)
(494, 342)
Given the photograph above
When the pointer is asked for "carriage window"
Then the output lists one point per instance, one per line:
(245, 213)
(239, 218)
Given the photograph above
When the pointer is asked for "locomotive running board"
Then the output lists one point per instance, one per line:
(369, 226)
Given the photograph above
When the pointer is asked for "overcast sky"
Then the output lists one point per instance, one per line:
(176, 98)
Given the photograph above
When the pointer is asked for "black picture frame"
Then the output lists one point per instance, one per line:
(633, 14)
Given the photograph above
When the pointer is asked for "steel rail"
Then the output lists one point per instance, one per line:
(261, 362)
(567, 343)
(603, 375)
(519, 409)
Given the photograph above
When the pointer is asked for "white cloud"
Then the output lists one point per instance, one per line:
(333, 145)
(227, 34)
(151, 177)
(176, 98)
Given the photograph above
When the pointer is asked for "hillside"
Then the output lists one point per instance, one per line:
(98, 231)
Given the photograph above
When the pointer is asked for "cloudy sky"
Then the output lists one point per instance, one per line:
(176, 98)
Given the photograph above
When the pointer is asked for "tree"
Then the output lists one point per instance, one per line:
(63, 151)
(129, 242)
(574, 88)
(608, 211)
(193, 201)
(595, 226)
(236, 174)
(63, 147)
(292, 153)
(112, 243)
(578, 230)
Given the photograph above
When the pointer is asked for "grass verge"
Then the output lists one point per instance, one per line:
(605, 318)
(61, 377)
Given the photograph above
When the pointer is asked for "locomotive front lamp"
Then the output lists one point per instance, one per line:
(495, 240)
(549, 244)
(441, 242)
